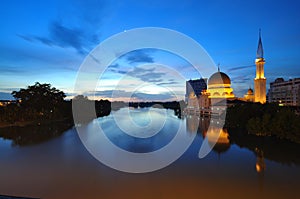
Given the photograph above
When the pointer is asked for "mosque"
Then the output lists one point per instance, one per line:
(211, 98)
(219, 88)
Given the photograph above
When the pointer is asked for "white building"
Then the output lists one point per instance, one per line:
(286, 93)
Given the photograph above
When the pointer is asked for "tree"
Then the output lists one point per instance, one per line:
(80, 97)
(42, 98)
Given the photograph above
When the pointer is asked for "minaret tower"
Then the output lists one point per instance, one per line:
(260, 80)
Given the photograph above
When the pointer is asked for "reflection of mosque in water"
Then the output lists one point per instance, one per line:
(218, 137)
(210, 128)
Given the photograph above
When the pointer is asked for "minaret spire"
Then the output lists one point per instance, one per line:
(260, 51)
(260, 80)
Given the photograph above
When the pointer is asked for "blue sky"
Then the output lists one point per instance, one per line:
(47, 41)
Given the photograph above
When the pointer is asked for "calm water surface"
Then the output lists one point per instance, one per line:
(62, 168)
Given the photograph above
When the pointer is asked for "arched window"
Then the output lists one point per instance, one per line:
(224, 94)
(216, 94)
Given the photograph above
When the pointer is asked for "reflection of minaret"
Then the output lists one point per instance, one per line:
(260, 161)
(260, 80)
(260, 167)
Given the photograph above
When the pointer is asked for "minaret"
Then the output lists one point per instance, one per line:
(260, 80)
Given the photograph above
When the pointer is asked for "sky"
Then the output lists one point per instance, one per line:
(47, 42)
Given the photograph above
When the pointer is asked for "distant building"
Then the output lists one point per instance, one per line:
(195, 86)
(249, 97)
(286, 93)
(192, 102)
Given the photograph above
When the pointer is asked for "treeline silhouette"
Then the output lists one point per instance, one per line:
(40, 113)
(174, 105)
(41, 103)
(168, 105)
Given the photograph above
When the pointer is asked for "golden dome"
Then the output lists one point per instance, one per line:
(219, 86)
(219, 78)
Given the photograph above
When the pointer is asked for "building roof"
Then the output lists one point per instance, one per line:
(219, 78)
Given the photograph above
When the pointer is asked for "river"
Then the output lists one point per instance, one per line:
(61, 167)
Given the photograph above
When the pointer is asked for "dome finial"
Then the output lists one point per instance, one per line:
(218, 67)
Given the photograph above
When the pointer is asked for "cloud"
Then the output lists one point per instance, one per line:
(239, 68)
(116, 65)
(13, 70)
(26, 38)
(139, 56)
(146, 75)
(62, 36)
(167, 83)
(79, 31)
(106, 93)
(122, 72)
(43, 40)
(153, 97)
(241, 79)
(67, 37)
